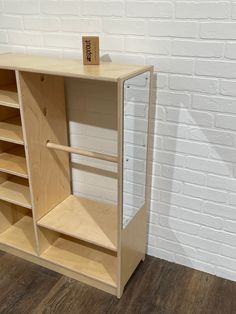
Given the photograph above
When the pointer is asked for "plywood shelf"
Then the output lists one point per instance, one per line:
(84, 260)
(84, 219)
(20, 236)
(11, 131)
(13, 162)
(15, 191)
(9, 97)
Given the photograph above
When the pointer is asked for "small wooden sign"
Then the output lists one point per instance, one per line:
(90, 49)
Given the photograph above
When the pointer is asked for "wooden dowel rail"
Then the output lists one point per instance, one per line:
(81, 152)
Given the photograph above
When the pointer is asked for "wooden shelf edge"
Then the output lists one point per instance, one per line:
(9, 200)
(10, 105)
(13, 173)
(7, 139)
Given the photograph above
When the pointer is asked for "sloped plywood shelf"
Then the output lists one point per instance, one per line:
(84, 219)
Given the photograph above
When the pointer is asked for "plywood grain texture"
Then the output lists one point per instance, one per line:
(45, 119)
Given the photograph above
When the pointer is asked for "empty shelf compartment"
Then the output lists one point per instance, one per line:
(9, 97)
(84, 219)
(11, 130)
(15, 190)
(8, 89)
(12, 159)
(83, 259)
(20, 236)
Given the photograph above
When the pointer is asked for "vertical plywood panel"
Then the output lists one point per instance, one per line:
(44, 118)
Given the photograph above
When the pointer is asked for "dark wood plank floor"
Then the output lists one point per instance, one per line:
(156, 287)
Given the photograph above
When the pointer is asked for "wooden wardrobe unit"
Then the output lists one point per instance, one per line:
(40, 219)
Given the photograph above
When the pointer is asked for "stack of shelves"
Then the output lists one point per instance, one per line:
(16, 223)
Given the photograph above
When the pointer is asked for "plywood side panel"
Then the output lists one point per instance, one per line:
(120, 114)
(133, 242)
(44, 115)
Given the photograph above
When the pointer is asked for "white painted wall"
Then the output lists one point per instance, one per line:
(193, 47)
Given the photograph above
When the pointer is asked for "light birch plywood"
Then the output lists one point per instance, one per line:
(16, 192)
(40, 84)
(60, 269)
(13, 162)
(9, 98)
(20, 236)
(44, 118)
(84, 260)
(84, 219)
(11, 131)
(133, 245)
(10, 214)
(70, 68)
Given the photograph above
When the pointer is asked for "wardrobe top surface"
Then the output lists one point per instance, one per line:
(70, 68)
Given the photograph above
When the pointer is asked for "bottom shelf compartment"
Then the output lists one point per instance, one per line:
(16, 228)
(80, 257)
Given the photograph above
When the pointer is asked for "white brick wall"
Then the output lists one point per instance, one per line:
(192, 45)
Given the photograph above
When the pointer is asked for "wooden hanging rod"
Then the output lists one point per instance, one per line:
(81, 152)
